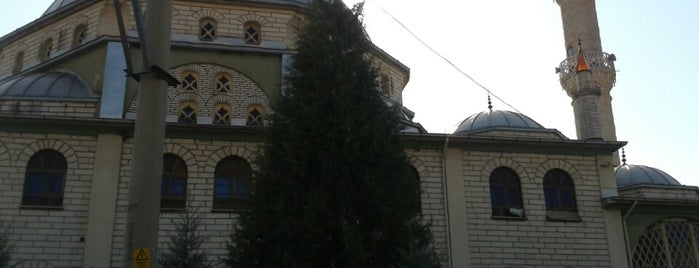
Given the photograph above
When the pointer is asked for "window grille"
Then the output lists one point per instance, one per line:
(671, 243)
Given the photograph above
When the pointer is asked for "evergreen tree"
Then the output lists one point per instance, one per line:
(5, 249)
(333, 188)
(184, 249)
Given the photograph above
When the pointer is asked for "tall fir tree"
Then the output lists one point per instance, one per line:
(333, 188)
(184, 248)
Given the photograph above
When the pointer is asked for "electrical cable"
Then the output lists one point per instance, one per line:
(442, 57)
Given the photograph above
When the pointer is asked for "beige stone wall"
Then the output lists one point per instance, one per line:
(48, 108)
(201, 158)
(428, 164)
(534, 242)
(53, 236)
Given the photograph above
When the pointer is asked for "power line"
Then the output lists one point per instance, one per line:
(442, 57)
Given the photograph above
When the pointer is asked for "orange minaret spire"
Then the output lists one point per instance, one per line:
(582, 62)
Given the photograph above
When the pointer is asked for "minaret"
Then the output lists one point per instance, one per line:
(580, 25)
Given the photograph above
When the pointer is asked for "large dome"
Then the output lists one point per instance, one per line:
(53, 85)
(496, 119)
(628, 175)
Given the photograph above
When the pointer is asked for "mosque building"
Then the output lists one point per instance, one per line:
(501, 191)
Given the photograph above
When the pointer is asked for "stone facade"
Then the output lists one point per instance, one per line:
(88, 228)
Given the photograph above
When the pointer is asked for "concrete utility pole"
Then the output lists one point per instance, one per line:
(146, 172)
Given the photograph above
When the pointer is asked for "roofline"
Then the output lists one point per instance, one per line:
(621, 203)
(518, 129)
(512, 144)
(658, 186)
(85, 125)
(45, 19)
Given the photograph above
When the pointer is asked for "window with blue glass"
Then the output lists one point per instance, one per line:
(231, 179)
(45, 179)
(558, 191)
(506, 193)
(173, 188)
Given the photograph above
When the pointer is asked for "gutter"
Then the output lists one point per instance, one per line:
(445, 188)
(626, 232)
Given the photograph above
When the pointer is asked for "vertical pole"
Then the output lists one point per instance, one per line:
(146, 172)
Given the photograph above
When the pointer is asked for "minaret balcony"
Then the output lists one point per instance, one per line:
(600, 64)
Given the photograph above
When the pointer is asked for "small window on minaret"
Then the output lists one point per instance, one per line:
(19, 63)
(385, 84)
(570, 52)
(46, 50)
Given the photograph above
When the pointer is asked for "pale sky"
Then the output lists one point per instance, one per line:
(512, 48)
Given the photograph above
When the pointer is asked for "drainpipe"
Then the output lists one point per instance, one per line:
(626, 232)
(446, 199)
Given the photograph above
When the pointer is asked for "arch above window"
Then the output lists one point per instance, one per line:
(231, 180)
(252, 33)
(173, 188)
(207, 29)
(506, 194)
(44, 179)
(255, 115)
(188, 112)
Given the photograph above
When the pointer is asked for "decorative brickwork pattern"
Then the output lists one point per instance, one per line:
(244, 92)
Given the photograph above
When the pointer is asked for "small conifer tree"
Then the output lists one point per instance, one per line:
(333, 188)
(184, 249)
(5, 249)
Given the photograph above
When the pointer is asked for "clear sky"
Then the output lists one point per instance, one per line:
(513, 46)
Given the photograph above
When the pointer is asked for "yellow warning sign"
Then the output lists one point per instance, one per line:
(141, 258)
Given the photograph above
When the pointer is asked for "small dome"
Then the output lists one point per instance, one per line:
(628, 175)
(53, 85)
(58, 4)
(496, 119)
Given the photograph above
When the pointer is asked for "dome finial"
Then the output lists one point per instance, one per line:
(623, 157)
(490, 104)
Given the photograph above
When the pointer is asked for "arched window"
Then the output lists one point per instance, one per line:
(46, 49)
(415, 177)
(190, 80)
(188, 113)
(669, 243)
(173, 188)
(386, 84)
(559, 194)
(506, 194)
(222, 114)
(223, 82)
(19, 63)
(255, 115)
(45, 179)
(231, 180)
(252, 33)
(79, 35)
(207, 29)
